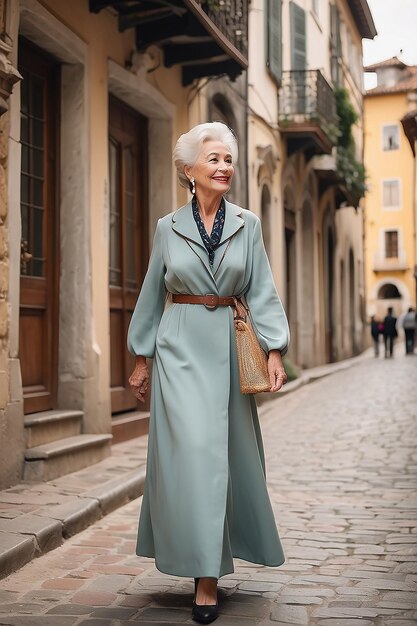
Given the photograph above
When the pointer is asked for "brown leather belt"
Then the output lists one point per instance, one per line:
(210, 300)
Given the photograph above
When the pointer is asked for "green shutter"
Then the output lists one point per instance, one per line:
(335, 42)
(298, 37)
(274, 39)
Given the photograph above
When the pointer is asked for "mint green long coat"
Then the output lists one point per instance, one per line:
(205, 498)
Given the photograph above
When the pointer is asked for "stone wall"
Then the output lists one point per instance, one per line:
(11, 412)
(11, 427)
(4, 385)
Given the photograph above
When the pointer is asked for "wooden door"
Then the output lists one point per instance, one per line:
(128, 238)
(38, 338)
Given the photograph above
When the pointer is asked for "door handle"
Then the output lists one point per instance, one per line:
(25, 256)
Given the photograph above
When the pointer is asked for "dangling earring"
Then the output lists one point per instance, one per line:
(192, 180)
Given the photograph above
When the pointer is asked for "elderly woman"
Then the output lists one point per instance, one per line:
(205, 498)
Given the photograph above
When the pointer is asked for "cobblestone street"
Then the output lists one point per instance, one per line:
(341, 463)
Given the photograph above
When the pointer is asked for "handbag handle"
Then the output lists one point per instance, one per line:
(241, 311)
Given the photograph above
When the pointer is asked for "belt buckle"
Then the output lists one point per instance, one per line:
(214, 304)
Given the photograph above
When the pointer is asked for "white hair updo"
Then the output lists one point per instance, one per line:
(189, 145)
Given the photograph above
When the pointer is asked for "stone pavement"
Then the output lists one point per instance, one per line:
(37, 517)
(342, 465)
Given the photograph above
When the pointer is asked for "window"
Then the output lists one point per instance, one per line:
(391, 193)
(274, 38)
(353, 58)
(390, 137)
(39, 197)
(335, 44)
(391, 244)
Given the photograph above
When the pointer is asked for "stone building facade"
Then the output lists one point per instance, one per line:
(11, 421)
(85, 173)
(313, 227)
(100, 95)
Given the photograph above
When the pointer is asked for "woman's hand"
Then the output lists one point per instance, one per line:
(277, 375)
(139, 379)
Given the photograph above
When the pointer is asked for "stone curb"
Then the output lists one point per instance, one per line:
(29, 536)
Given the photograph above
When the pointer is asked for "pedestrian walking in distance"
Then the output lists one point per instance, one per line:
(375, 332)
(390, 332)
(409, 325)
(205, 499)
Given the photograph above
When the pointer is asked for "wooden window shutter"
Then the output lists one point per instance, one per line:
(298, 37)
(274, 38)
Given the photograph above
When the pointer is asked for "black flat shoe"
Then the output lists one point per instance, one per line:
(203, 613)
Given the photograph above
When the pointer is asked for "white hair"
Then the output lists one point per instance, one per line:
(189, 145)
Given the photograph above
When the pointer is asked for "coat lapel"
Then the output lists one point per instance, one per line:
(183, 224)
(233, 221)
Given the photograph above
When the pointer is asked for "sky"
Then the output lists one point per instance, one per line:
(396, 23)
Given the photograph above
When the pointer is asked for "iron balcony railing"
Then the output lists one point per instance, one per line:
(306, 96)
(231, 18)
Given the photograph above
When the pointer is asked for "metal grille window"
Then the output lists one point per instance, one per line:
(391, 244)
(391, 193)
(390, 137)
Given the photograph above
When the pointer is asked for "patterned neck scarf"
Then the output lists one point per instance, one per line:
(212, 241)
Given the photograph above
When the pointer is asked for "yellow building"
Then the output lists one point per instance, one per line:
(390, 254)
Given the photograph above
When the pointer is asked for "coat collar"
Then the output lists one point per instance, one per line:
(183, 223)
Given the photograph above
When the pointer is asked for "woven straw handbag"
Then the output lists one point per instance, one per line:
(252, 359)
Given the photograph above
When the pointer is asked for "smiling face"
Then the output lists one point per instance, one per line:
(213, 170)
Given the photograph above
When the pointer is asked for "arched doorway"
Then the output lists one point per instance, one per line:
(342, 305)
(291, 268)
(352, 308)
(329, 295)
(389, 295)
(388, 292)
(307, 321)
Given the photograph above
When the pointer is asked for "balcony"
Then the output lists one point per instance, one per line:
(307, 112)
(392, 264)
(326, 169)
(205, 37)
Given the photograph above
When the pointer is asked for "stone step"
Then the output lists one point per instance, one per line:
(47, 426)
(57, 458)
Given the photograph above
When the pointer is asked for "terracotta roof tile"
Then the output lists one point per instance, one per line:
(392, 62)
(407, 82)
